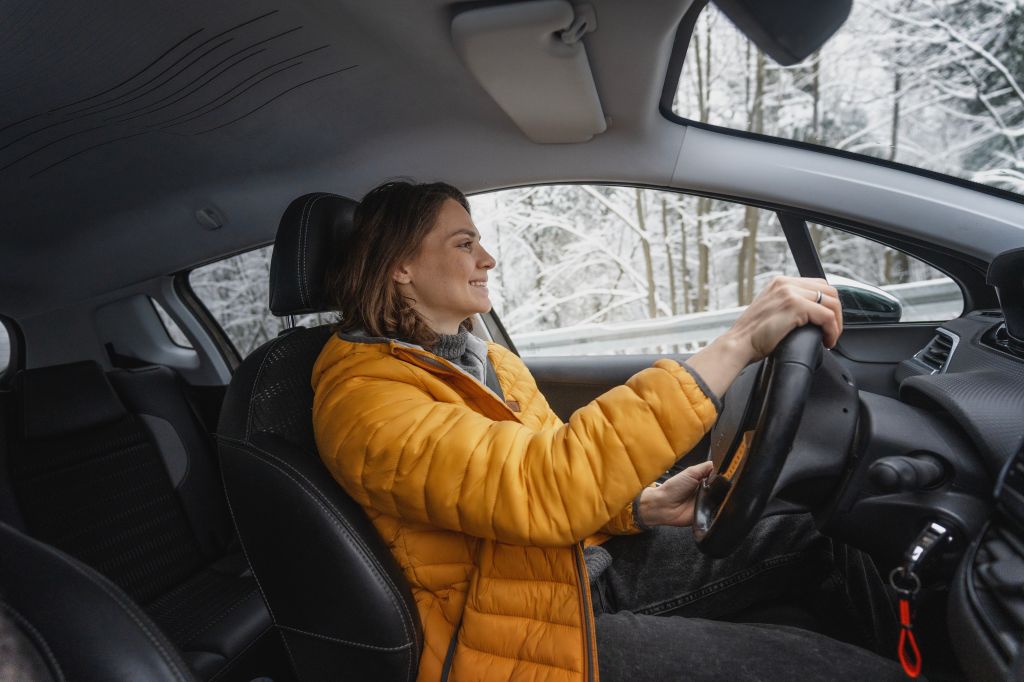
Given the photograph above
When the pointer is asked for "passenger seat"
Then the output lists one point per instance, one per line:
(135, 494)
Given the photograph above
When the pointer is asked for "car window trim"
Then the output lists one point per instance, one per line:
(680, 46)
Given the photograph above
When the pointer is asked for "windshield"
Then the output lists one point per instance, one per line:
(934, 84)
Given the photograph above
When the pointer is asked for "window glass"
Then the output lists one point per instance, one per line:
(5, 348)
(174, 332)
(871, 278)
(590, 270)
(936, 85)
(236, 291)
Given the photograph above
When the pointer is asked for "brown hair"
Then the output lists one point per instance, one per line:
(390, 224)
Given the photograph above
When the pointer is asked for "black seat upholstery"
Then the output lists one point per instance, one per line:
(135, 494)
(333, 588)
(79, 625)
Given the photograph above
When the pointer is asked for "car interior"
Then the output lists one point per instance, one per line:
(164, 514)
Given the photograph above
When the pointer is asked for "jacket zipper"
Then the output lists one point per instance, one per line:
(432, 363)
(449, 657)
(586, 612)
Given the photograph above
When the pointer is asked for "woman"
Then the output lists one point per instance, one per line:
(495, 509)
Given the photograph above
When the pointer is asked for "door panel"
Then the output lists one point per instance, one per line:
(872, 353)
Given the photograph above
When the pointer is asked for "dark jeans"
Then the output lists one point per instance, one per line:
(789, 604)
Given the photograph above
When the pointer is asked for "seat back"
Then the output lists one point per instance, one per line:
(81, 624)
(333, 588)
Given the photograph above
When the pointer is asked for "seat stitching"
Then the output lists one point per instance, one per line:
(126, 606)
(259, 585)
(303, 243)
(238, 602)
(252, 394)
(345, 641)
(37, 638)
(227, 666)
(339, 522)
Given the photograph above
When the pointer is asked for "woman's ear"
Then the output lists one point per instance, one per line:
(401, 275)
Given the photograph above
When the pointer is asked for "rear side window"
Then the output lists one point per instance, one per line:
(236, 291)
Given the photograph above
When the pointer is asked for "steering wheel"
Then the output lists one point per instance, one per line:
(750, 442)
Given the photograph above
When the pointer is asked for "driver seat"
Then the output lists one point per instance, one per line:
(334, 591)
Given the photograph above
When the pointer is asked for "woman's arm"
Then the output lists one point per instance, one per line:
(398, 450)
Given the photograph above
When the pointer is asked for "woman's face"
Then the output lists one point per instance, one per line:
(447, 277)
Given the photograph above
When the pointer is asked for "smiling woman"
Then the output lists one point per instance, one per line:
(496, 510)
(403, 258)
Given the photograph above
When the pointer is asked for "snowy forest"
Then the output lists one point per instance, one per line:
(935, 84)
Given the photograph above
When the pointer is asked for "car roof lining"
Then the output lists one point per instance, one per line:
(118, 216)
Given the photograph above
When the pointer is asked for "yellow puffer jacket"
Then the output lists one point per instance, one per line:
(486, 503)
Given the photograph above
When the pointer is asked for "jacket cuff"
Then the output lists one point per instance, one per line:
(699, 380)
(635, 507)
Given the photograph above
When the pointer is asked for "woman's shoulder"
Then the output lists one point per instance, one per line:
(341, 358)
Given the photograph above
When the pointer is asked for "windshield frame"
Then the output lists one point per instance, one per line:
(680, 47)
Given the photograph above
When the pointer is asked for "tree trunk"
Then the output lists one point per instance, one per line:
(645, 245)
(703, 207)
(751, 215)
(668, 258)
(896, 267)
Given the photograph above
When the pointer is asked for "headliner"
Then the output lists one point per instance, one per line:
(118, 123)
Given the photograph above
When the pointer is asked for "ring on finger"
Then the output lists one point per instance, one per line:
(818, 299)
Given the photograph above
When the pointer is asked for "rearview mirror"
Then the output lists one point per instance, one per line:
(788, 31)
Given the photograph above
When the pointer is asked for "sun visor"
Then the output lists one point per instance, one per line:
(529, 56)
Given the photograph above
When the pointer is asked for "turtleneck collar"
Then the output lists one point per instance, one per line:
(451, 347)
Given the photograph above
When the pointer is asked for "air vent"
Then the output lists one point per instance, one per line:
(935, 356)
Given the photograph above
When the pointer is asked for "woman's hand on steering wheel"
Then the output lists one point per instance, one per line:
(672, 503)
(785, 304)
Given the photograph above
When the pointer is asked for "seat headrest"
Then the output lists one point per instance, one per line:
(311, 235)
(62, 399)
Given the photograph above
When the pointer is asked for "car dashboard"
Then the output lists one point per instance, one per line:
(972, 373)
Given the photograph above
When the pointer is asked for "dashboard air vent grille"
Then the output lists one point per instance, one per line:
(936, 354)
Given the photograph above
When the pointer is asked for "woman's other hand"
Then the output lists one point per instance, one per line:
(671, 504)
(785, 304)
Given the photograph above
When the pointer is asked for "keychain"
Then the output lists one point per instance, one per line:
(907, 586)
(904, 579)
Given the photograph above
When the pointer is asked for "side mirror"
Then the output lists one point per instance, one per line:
(863, 303)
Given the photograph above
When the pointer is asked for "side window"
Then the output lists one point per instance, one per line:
(236, 291)
(594, 270)
(878, 284)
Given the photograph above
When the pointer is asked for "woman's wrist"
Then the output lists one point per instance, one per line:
(646, 511)
(722, 360)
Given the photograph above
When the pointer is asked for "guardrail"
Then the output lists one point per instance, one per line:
(937, 299)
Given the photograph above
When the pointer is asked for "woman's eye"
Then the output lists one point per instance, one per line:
(466, 245)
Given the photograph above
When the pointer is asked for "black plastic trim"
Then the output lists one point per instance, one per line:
(183, 288)
(808, 264)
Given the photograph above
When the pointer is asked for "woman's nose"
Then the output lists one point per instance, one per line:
(487, 262)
